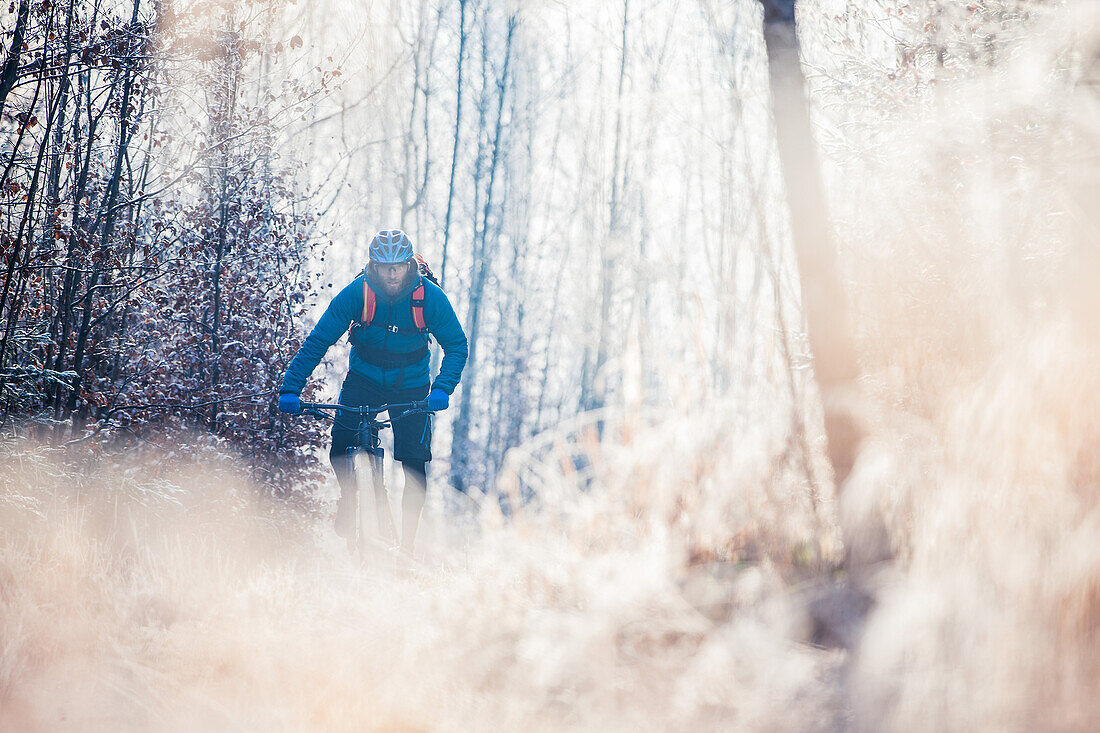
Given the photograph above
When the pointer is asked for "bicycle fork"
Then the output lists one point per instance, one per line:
(386, 529)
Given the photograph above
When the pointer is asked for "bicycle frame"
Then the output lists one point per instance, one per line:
(368, 441)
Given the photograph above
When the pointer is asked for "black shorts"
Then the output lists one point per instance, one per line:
(412, 434)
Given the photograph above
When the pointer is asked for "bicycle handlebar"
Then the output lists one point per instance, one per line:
(367, 410)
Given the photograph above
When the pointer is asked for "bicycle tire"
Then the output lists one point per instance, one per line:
(384, 532)
(355, 539)
(387, 529)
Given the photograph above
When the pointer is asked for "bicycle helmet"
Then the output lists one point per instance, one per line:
(391, 246)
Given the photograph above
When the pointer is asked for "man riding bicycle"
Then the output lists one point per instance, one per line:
(389, 363)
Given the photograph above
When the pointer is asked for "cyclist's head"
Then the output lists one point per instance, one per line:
(392, 266)
(391, 247)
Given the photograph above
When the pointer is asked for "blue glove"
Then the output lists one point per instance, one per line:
(438, 400)
(290, 403)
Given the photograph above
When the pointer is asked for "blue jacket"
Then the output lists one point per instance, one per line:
(347, 308)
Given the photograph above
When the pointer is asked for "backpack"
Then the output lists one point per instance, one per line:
(370, 302)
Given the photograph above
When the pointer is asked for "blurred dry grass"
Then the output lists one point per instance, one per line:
(121, 611)
(974, 512)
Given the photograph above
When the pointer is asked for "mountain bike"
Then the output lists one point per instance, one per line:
(368, 441)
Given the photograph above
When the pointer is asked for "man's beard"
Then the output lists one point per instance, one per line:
(392, 290)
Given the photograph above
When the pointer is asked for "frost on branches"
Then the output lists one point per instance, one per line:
(154, 246)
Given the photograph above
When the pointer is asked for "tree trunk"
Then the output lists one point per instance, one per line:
(223, 130)
(109, 213)
(10, 72)
(482, 269)
(594, 389)
(454, 151)
(823, 299)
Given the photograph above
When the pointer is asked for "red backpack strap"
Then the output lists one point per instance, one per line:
(369, 303)
(418, 309)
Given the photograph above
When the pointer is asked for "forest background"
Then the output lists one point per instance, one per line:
(652, 392)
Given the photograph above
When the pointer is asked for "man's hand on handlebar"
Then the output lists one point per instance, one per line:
(290, 403)
(438, 400)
